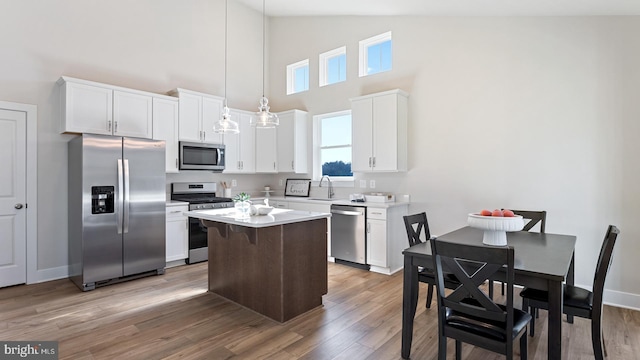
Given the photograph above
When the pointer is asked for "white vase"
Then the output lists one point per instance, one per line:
(243, 209)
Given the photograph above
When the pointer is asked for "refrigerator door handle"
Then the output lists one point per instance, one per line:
(120, 205)
(126, 196)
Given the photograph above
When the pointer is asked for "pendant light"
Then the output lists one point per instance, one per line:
(264, 118)
(225, 125)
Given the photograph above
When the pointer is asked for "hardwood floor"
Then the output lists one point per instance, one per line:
(172, 316)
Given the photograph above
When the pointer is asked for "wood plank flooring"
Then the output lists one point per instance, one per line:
(172, 316)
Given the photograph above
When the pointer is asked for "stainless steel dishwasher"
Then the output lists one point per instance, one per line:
(349, 235)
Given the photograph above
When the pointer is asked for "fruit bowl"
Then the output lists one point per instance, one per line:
(495, 227)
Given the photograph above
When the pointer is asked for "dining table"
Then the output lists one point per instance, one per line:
(542, 261)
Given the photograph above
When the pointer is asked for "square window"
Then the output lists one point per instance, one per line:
(298, 77)
(376, 54)
(333, 66)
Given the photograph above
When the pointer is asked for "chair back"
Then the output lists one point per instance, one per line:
(535, 218)
(468, 298)
(421, 225)
(602, 266)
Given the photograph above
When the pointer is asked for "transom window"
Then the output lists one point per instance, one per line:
(375, 54)
(298, 77)
(333, 66)
(332, 144)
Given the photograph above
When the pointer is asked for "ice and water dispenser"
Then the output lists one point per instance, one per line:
(102, 199)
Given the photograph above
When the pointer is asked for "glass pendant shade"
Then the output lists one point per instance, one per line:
(264, 118)
(225, 125)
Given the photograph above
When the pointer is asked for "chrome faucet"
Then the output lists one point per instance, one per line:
(330, 189)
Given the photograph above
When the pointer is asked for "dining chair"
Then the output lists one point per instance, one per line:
(468, 314)
(417, 226)
(578, 301)
(534, 217)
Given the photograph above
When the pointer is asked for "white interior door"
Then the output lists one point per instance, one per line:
(13, 162)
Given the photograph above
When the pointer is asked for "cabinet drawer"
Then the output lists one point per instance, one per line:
(376, 213)
(175, 212)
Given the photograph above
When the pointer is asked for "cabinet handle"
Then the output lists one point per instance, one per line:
(176, 211)
(274, 165)
(369, 161)
(374, 161)
(204, 136)
(368, 227)
(176, 163)
(115, 126)
(292, 165)
(109, 125)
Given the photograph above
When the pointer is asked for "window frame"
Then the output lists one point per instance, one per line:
(323, 73)
(364, 45)
(291, 76)
(345, 181)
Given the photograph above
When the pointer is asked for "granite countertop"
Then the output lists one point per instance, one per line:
(275, 217)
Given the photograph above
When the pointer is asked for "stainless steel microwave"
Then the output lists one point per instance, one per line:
(199, 156)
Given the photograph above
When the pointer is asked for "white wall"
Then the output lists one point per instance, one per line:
(527, 113)
(150, 45)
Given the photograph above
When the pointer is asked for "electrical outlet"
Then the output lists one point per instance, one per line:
(363, 184)
(234, 183)
(281, 182)
(372, 184)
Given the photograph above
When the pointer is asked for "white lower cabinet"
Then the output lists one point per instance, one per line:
(177, 235)
(386, 238)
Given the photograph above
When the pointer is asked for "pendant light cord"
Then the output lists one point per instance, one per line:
(226, 21)
(263, 42)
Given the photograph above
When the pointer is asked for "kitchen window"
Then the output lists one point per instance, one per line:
(332, 146)
(375, 54)
(333, 66)
(298, 77)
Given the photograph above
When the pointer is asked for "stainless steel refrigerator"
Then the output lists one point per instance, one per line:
(117, 197)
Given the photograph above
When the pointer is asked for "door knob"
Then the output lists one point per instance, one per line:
(18, 206)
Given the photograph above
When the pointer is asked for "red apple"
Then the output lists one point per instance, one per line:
(497, 212)
(485, 212)
(508, 213)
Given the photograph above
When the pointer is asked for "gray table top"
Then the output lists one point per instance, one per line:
(542, 255)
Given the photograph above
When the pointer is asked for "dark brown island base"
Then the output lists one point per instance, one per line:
(275, 264)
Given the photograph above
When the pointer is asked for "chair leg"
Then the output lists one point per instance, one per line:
(458, 350)
(523, 346)
(491, 289)
(429, 295)
(442, 348)
(596, 339)
(533, 312)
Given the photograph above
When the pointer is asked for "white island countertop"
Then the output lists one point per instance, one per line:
(275, 217)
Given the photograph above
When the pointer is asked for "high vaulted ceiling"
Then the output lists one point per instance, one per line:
(447, 7)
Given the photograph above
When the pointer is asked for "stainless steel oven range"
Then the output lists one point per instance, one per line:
(200, 196)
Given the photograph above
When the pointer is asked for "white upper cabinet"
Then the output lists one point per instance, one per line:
(95, 108)
(266, 150)
(379, 136)
(132, 114)
(240, 156)
(198, 112)
(292, 142)
(165, 127)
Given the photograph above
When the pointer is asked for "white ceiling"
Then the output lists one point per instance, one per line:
(447, 7)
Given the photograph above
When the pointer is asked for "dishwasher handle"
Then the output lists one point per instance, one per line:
(350, 213)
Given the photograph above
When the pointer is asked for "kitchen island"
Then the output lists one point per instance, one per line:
(274, 264)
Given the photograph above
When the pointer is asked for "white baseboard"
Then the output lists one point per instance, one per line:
(622, 299)
(60, 272)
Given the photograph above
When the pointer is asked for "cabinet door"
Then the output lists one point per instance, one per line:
(177, 243)
(292, 142)
(247, 143)
(132, 114)
(286, 142)
(211, 112)
(361, 135)
(377, 242)
(165, 127)
(190, 115)
(87, 109)
(266, 148)
(385, 133)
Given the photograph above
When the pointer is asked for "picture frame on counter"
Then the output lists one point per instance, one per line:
(297, 187)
